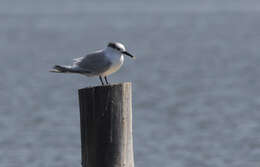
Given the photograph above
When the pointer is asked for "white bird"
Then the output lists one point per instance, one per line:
(100, 63)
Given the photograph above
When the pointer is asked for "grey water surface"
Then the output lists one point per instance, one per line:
(196, 91)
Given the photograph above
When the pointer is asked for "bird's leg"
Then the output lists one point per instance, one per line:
(106, 80)
(101, 80)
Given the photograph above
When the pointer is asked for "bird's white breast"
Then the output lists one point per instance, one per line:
(116, 62)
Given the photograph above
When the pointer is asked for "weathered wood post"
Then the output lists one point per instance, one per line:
(106, 126)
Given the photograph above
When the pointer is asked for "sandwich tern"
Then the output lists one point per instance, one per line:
(99, 63)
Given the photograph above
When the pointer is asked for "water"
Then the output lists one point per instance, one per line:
(195, 80)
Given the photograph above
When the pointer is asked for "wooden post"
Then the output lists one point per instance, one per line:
(106, 126)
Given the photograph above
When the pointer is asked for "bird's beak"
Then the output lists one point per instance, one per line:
(128, 54)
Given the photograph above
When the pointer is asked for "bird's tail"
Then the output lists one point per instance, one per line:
(61, 69)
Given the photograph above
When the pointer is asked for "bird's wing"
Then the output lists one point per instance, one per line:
(95, 62)
(77, 60)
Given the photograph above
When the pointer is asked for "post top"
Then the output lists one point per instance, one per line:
(107, 86)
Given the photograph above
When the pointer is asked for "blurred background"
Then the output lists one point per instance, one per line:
(195, 80)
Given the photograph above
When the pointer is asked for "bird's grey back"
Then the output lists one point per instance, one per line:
(95, 63)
